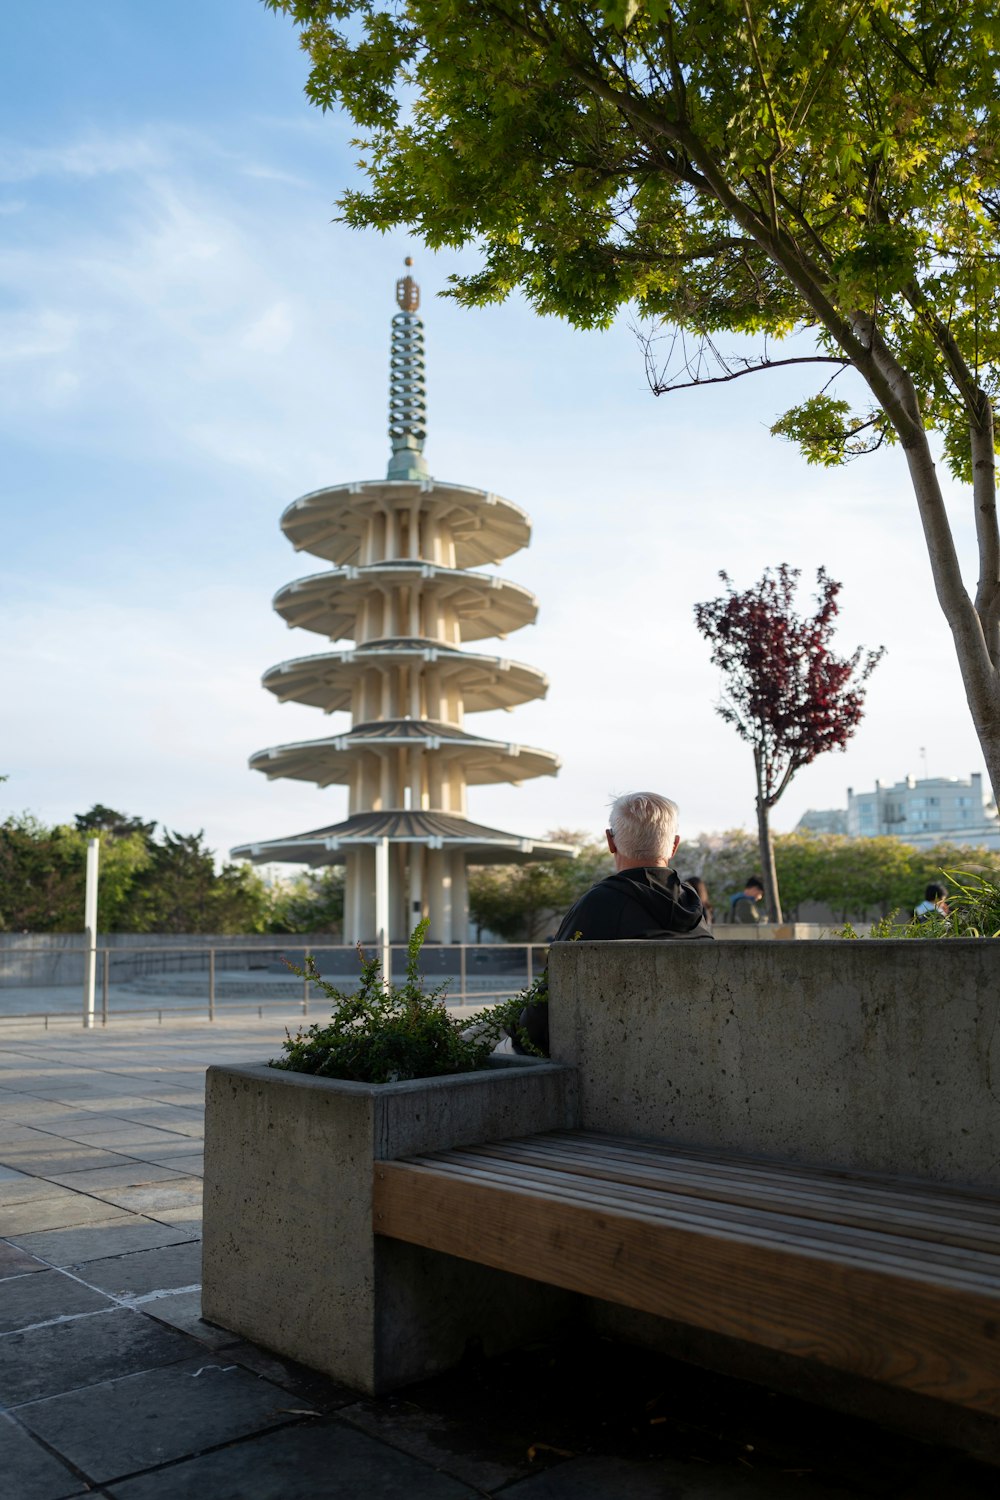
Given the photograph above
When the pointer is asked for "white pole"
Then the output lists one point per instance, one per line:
(382, 906)
(90, 930)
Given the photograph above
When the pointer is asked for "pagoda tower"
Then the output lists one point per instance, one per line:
(402, 590)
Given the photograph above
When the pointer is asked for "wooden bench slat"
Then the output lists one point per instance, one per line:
(971, 1199)
(941, 1341)
(859, 1246)
(905, 1216)
(963, 1205)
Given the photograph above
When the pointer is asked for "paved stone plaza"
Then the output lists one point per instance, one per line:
(112, 1385)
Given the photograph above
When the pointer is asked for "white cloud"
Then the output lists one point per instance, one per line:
(272, 331)
(96, 156)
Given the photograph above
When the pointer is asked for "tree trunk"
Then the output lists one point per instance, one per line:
(769, 873)
(979, 675)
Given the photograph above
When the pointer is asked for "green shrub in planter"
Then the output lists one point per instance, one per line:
(974, 912)
(384, 1032)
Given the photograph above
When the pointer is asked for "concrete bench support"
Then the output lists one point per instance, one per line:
(290, 1258)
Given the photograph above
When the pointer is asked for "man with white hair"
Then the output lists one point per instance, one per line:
(644, 897)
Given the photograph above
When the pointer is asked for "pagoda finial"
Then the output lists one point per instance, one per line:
(407, 393)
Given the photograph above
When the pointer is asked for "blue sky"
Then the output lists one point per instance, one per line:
(187, 342)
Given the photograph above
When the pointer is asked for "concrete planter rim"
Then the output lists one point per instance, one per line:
(496, 1068)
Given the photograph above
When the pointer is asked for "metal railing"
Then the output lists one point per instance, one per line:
(38, 983)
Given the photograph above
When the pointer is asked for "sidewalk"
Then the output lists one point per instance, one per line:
(111, 1384)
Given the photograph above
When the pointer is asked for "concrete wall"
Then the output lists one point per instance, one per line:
(871, 1055)
(290, 1255)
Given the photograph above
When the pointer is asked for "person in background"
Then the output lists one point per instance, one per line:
(934, 904)
(743, 907)
(697, 884)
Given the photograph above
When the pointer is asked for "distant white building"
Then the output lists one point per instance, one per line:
(938, 810)
(935, 810)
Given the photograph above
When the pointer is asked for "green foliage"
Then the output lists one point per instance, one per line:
(974, 912)
(180, 891)
(385, 1032)
(803, 165)
(853, 877)
(145, 884)
(43, 874)
(521, 903)
(311, 902)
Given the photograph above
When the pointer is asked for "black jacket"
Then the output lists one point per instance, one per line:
(647, 902)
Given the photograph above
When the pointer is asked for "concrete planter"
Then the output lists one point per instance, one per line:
(290, 1255)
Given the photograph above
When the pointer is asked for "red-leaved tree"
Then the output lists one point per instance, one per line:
(786, 693)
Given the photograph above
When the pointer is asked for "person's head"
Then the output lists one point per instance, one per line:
(699, 885)
(642, 830)
(754, 888)
(935, 892)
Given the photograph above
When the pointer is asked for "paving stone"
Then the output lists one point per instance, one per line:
(321, 1458)
(164, 1149)
(118, 1236)
(308, 1388)
(30, 1110)
(121, 1427)
(122, 1135)
(147, 1271)
(473, 1456)
(62, 1212)
(664, 1479)
(178, 1219)
(148, 1199)
(130, 1174)
(182, 1310)
(25, 1300)
(194, 1164)
(15, 1137)
(17, 1262)
(9, 1174)
(21, 1187)
(29, 1472)
(61, 1357)
(61, 1156)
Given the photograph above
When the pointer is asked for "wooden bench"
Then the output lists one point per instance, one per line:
(889, 1278)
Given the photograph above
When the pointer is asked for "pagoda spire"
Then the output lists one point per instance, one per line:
(407, 391)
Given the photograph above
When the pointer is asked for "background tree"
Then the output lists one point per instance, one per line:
(723, 860)
(785, 692)
(310, 902)
(146, 885)
(810, 165)
(525, 903)
(858, 879)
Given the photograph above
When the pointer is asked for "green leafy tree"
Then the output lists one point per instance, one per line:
(145, 885)
(101, 819)
(811, 165)
(522, 903)
(179, 891)
(43, 876)
(311, 902)
(854, 877)
(723, 860)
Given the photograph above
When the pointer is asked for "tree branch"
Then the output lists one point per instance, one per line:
(749, 368)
